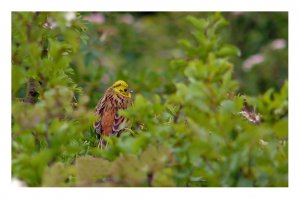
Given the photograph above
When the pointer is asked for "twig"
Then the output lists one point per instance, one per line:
(32, 93)
(177, 114)
(150, 179)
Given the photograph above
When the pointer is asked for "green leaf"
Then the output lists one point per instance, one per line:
(228, 50)
(281, 128)
(91, 169)
(18, 78)
(57, 175)
(198, 23)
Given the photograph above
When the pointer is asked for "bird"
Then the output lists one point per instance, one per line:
(109, 122)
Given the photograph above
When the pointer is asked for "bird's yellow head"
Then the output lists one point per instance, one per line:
(121, 87)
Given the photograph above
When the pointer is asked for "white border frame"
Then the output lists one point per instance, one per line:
(8, 190)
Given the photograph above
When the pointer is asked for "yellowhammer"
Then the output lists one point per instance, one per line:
(115, 98)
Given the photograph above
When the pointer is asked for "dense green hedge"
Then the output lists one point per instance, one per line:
(187, 125)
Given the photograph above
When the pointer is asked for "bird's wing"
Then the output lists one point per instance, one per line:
(104, 113)
(119, 123)
(107, 121)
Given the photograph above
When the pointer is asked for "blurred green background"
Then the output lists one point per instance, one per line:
(121, 43)
(190, 72)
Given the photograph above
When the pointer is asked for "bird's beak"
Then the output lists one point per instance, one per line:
(131, 91)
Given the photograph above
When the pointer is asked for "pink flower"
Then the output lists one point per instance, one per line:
(95, 18)
(253, 60)
(278, 44)
(70, 16)
(50, 24)
(128, 19)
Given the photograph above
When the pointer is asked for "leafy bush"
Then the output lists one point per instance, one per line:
(187, 126)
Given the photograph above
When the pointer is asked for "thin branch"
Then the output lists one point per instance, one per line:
(177, 114)
(32, 91)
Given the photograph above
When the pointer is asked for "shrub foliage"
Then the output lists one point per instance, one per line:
(186, 125)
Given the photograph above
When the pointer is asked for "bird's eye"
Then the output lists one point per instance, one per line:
(125, 89)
